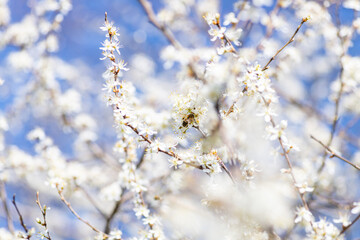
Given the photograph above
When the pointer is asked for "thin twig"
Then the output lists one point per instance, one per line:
(121, 200)
(91, 200)
(3, 196)
(227, 40)
(222, 164)
(201, 131)
(153, 20)
(286, 155)
(142, 158)
(28, 236)
(231, 109)
(60, 192)
(351, 224)
(290, 41)
(43, 211)
(335, 119)
(340, 92)
(333, 154)
(167, 33)
(113, 212)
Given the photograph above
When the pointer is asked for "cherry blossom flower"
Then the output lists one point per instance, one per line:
(303, 215)
(217, 33)
(343, 219)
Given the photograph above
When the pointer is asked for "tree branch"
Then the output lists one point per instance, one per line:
(290, 41)
(28, 236)
(43, 211)
(60, 192)
(333, 154)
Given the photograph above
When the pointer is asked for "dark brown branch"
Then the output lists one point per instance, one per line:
(333, 154)
(344, 229)
(28, 236)
(290, 41)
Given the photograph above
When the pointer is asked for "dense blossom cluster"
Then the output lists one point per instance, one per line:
(189, 111)
(244, 125)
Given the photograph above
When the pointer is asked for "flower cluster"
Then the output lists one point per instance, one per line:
(119, 96)
(324, 230)
(218, 32)
(210, 162)
(189, 111)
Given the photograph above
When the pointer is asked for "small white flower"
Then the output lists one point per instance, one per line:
(283, 124)
(155, 146)
(303, 187)
(210, 163)
(211, 18)
(217, 33)
(137, 187)
(107, 55)
(142, 211)
(110, 46)
(146, 131)
(110, 85)
(56, 182)
(303, 215)
(224, 48)
(248, 169)
(343, 219)
(121, 65)
(234, 35)
(175, 162)
(151, 220)
(324, 230)
(107, 26)
(268, 113)
(230, 19)
(115, 235)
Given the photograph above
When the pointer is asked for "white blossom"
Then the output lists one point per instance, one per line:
(303, 215)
